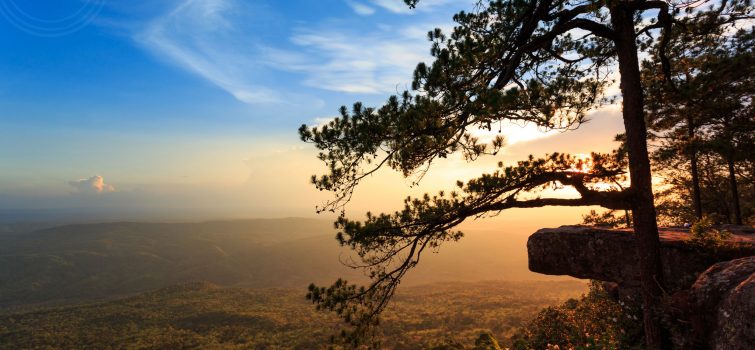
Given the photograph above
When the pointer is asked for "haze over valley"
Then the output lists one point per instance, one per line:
(89, 262)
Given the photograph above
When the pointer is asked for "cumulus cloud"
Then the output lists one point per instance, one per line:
(95, 184)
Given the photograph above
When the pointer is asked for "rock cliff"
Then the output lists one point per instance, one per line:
(609, 254)
(711, 291)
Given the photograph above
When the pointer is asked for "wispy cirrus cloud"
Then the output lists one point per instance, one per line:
(344, 60)
(395, 6)
(400, 7)
(360, 8)
(351, 62)
(368, 7)
(204, 37)
(219, 40)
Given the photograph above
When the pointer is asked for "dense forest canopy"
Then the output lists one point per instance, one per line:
(546, 62)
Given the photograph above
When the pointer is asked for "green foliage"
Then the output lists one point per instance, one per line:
(700, 116)
(607, 218)
(486, 341)
(703, 235)
(595, 321)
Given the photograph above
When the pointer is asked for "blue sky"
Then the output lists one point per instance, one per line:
(120, 105)
(247, 64)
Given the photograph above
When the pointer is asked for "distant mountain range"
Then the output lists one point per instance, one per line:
(90, 262)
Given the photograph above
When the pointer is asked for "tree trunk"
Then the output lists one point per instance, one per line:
(734, 190)
(643, 209)
(728, 154)
(696, 201)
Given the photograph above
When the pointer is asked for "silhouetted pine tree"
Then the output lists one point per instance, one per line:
(703, 108)
(545, 62)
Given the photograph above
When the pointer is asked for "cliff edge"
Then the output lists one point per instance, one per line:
(711, 290)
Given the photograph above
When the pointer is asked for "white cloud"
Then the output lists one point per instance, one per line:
(319, 122)
(395, 6)
(344, 60)
(202, 36)
(95, 184)
(400, 7)
(360, 8)
(219, 41)
(513, 132)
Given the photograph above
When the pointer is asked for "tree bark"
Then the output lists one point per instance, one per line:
(734, 190)
(643, 209)
(696, 200)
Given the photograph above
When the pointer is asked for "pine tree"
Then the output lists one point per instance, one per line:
(545, 62)
(704, 107)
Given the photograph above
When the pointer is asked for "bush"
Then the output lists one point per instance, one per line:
(704, 236)
(605, 219)
(595, 321)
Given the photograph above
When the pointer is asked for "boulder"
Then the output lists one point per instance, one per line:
(717, 312)
(733, 327)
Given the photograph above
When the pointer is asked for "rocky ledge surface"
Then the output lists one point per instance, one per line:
(609, 254)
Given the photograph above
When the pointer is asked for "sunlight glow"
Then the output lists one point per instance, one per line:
(584, 163)
(513, 133)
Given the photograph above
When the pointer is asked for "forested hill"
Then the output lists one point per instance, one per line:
(83, 263)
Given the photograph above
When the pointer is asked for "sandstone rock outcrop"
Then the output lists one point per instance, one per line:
(609, 254)
(711, 302)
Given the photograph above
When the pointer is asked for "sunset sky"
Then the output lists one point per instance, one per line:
(189, 108)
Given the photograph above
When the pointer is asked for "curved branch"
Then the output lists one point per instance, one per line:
(567, 22)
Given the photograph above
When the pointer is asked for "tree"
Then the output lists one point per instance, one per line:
(731, 108)
(704, 107)
(540, 61)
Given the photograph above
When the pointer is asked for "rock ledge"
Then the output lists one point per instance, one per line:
(711, 292)
(609, 254)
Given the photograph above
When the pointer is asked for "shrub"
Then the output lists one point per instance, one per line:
(704, 236)
(595, 321)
